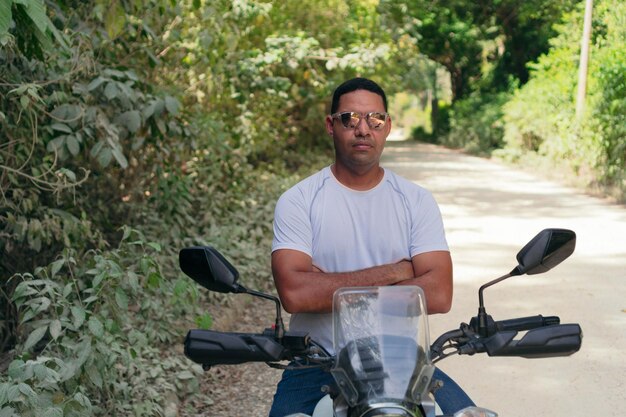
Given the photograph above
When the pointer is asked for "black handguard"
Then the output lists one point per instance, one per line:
(541, 342)
(208, 347)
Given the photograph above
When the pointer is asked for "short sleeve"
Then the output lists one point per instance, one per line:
(292, 225)
(427, 231)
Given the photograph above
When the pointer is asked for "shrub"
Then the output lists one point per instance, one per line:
(95, 328)
(541, 119)
(476, 123)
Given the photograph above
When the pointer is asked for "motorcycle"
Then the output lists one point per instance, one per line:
(383, 364)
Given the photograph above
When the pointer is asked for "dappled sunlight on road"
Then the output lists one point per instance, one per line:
(490, 211)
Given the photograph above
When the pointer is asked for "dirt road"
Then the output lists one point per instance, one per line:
(490, 211)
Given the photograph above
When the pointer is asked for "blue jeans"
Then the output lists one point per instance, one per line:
(299, 391)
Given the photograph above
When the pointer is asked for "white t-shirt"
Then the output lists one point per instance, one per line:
(347, 230)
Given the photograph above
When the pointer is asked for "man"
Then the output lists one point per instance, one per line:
(352, 224)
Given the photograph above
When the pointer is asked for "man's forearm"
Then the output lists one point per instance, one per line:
(433, 273)
(312, 292)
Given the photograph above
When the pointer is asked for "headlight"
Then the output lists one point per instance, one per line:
(389, 410)
(475, 412)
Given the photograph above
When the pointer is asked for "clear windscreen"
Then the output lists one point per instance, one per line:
(380, 336)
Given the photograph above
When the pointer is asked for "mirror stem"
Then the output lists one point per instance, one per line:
(483, 326)
(279, 330)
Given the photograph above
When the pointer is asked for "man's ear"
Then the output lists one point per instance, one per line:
(389, 124)
(329, 125)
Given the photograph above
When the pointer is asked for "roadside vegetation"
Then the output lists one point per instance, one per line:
(131, 129)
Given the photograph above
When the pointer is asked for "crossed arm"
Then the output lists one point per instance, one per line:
(303, 288)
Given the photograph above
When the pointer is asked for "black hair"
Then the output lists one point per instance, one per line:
(353, 85)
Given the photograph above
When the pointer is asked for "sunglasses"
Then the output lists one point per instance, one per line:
(375, 120)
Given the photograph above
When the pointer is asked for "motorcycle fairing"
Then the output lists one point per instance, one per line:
(380, 335)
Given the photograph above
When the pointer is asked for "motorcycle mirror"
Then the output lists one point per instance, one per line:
(206, 266)
(545, 251)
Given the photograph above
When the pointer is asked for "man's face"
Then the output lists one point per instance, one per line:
(359, 148)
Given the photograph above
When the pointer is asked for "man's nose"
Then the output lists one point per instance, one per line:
(362, 128)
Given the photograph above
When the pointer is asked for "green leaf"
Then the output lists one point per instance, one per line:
(72, 145)
(4, 387)
(61, 127)
(8, 411)
(155, 246)
(104, 157)
(66, 112)
(91, 299)
(180, 287)
(96, 327)
(27, 390)
(111, 90)
(35, 9)
(127, 231)
(131, 120)
(172, 105)
(95, 150)
(56, 144)
(185, 375)
(13, 393)
(204, 321)
(119, 157)
(83, 352)
(35, 337)
(5, 17)
(161, 126)
(67, 290)
(42, 372)
(23, 289)
(115, 73)
(16, 370)
(133, 280)
(95, 83)
(55, 329)
(55, 267)
(69, 174)
(115, 20)
(121, 299)
(94, 375)
(154, 280)
(82, 400)
(98, 279)
(148, 111)
(52, 412)
(24, 101)
(78, 313)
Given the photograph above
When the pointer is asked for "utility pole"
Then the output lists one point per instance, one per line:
(584, 61)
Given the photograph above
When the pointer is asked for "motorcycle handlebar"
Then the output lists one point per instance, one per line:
(545, 337)
(526, 323)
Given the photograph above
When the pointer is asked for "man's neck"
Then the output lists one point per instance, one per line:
(358, 179)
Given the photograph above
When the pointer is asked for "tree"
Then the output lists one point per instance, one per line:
(445, 32)
(483, 44)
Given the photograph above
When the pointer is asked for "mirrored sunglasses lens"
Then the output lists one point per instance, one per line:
(349, 119)
(376, 120)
